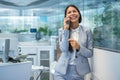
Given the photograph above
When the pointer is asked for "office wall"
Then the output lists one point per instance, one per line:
(106, 65)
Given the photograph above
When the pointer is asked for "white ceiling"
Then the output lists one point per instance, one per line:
(20, 2)
(41, 6)
(50, 6)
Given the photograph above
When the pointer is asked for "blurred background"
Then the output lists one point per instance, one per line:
(33, 26)
(21, 16)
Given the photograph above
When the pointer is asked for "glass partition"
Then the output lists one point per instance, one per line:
(107, 28)
(102, 16)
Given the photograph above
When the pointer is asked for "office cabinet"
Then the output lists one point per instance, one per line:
(45, 58)
(32, 58)
(30, 51)
(40, 56)
(27, 50)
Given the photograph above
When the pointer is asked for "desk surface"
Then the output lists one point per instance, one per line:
(15, 71)
(13, 64)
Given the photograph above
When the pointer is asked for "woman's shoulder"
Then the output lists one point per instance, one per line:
(85, 28)
(60, 28)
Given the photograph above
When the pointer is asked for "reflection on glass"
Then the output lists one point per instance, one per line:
(107, 35)
(102, 16)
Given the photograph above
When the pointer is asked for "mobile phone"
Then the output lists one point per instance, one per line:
(68, 22)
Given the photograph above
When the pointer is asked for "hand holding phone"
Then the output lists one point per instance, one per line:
(66, 23)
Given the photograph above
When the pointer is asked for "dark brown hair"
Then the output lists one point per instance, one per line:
(80, 19)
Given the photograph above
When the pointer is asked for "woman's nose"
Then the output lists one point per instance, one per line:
(72, 12)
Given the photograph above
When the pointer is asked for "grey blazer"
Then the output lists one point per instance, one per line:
(85, 52)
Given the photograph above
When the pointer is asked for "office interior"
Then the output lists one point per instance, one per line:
(29, 36)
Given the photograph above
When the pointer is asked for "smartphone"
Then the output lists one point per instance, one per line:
(68, 22)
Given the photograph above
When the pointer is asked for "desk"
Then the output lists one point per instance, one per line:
(15, 71)
(39, 69)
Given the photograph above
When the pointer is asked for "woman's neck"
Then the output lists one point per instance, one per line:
(74, 25)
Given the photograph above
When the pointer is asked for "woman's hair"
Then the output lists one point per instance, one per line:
(80, 19)
(71, 5)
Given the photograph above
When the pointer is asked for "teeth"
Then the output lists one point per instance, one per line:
(73, 17)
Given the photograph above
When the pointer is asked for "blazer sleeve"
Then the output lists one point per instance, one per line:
(63, 40)
(88, 50)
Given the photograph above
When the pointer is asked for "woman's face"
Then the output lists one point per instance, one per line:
(73, 14)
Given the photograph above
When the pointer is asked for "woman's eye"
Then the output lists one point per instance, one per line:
(74, 11)
(69, 12)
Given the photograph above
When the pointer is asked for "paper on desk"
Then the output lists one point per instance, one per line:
(37, 68)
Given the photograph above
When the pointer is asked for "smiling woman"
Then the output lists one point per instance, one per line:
(101, 16)
(75, 41)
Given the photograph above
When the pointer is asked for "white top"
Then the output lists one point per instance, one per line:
(74, 35)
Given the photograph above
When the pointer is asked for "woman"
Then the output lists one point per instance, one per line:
(76, 45)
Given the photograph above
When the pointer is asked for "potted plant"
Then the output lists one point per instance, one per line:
(45, 30)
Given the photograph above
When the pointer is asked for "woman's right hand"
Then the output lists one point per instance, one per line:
(66, 23)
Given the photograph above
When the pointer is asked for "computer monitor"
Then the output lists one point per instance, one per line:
(8, 47)
(5, 51)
